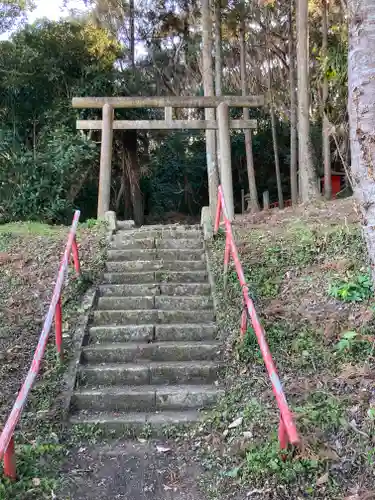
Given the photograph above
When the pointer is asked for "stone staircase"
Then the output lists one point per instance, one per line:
(150, 357)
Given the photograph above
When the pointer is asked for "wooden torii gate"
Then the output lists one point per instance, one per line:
(223, 124)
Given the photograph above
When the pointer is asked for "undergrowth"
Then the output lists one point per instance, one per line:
(40, 448)
(301, 279)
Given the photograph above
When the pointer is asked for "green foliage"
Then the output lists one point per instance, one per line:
(356, 289)
(36, 465)
(40, 185)
(267, 458)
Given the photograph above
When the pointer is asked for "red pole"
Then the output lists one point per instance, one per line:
(58, 329)
(218, 213)
(77, 266)
(10, 461)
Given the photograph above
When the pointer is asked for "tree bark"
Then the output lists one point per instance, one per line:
(293, 111)
(307, 176)
(130, 143)
(218, 69)
(208, 85)
(253, 203)
(361, 68)
(274, 133)
(276, 154)
(132, 33)
(326, 127)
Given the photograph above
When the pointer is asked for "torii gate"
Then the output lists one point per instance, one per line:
(223, 124)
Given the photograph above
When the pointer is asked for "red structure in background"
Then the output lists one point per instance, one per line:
(337, 179)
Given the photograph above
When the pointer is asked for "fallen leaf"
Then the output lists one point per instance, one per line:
(235, 423)
(233, 472)
(162, 449)
(322, 479)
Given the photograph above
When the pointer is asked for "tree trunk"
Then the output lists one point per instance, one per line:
(253, 202)
(274, 135)
(208, 85)
(132, 33)
(276, 154)
(361, 69)
(326, 127)
(293, 111)
(130, 143)
(218, 68)
(308, 180)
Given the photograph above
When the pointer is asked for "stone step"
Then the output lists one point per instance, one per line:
(160, 233)
(154, 351)
(149, 333)
(146, 398)
(150, 316)
(155, 265)
(183, 289)
(122, 242)
(156, 373)
(155, 277)
(129, 425)
(162, 302)
(124, 303)
(156, 254)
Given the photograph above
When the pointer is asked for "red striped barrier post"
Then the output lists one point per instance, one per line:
(7, 451)
(287, 431)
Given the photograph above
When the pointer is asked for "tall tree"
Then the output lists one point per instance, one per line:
(361, 68)
(208, 86)
(12, 12)
(308, 180)
(254, 204)
(326, 125)
(293, 109)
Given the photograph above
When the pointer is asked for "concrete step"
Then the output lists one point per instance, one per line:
(124, 303)
(132, 424)
(148, 333)
(156, 254)
(129, 278)
(156, 373)
(151, 289)
(156, 351)
(160, 233)
(130, 333)
(122, 242)
(150, 316)
(169, 303)
(163, 302)
(154, 265)
(146, 398)
(155, 277)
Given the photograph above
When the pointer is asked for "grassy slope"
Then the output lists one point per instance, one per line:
(29, 259)
(296, 264)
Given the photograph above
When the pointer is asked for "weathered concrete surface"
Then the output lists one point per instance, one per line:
(129, 471)
(145, 316)
(150, 352)
(192, 372)
(159, 351)
(154, 265)
(145, 398)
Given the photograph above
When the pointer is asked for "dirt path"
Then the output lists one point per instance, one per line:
(130, 470)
